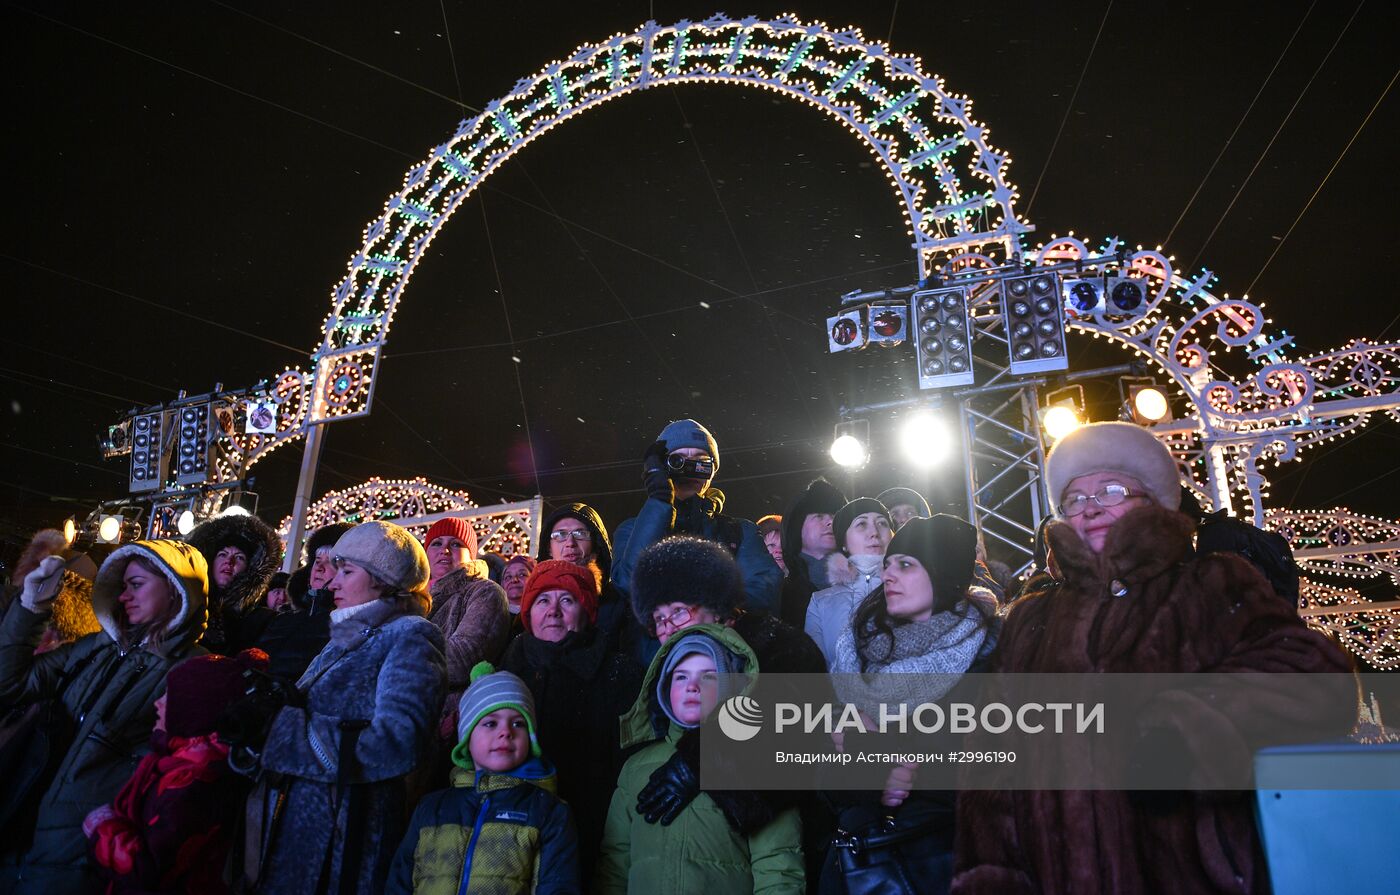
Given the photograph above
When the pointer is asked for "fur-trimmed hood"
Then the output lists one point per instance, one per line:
(188, 574)
(249, 533)
(840, 569)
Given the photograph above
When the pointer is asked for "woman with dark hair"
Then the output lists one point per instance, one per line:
(149, 598)
(863, 530)
(909, 644)
(367, 709)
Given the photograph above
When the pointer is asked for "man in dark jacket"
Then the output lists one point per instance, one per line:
(242, 552)
(808, 539)
(292, 639)
(677, 471)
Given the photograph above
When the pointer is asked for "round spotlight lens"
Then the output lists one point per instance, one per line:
(1083, 296)
(933, 367)
(185, 523)
(70, 530)
(928, 304)
(924, 439)
(110, 529)
(1059, 421)
(1041, 284)
(1018, 287)
(932, 345)
(930, 325)
(844, 331)
(1150, 404)
(1127, 296)
(849, 452)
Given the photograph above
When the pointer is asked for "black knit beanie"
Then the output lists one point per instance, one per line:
(945, 545)
(820, 497)
(847, 514)
(686, 569)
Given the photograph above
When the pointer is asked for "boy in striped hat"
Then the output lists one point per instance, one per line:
(499, 827)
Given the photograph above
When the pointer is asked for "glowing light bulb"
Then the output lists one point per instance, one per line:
(1060, 420)
(849, 452)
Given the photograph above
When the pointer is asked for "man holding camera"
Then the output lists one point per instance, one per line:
(676, 472)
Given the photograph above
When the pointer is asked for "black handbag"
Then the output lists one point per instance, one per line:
(34, 738)
(890, 857)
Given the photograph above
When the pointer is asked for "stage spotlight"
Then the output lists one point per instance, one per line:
(1150, 404)
(148, 456)
(848, 330)
(185, 522)
(192, 445)
(850, 447)
(888, 324)
(943, 338)
(235, 510)
(848, 451)
(1035, 323)
(1060, 420)
(109, 530)
(924, 439)
(70, 530)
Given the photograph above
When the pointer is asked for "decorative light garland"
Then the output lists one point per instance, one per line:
(506, 532)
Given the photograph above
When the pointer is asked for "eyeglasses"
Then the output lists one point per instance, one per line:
(576, 534)
(674, 622)
(1108, 496)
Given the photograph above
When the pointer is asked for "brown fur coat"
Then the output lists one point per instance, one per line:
(1181, 613)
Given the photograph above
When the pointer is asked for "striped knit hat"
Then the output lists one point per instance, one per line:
(491, 690)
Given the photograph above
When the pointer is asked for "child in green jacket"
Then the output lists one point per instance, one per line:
(500, 828)
(698, 851)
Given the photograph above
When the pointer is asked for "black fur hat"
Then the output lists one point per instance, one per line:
(258, 542)
(325, 536)
(686, 569)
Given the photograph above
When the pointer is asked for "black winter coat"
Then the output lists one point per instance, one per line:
(581, 685)
(292, 639)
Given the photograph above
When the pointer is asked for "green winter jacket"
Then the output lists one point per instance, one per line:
(503, 834)
(699, 852)
(110, 699)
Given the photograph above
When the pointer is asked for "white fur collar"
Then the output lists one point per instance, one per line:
(348, 612)
(843, 569)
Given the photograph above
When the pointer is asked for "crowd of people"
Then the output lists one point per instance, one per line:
(411, 716)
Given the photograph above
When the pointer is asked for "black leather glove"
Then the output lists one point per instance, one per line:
(671, 787)
(655, 476)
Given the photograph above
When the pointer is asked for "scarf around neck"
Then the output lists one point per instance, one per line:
(927, 660)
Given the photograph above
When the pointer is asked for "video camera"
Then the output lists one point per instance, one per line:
(680, 466)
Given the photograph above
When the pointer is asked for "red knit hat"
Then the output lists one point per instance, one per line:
(560, 574)
(198, 690)
(451, 526)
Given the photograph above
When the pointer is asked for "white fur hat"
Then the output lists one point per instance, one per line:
(1114, 447)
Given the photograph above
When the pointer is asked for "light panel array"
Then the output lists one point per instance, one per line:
(942, 337)
(1035, 323)
(148, 458)
(192, 445)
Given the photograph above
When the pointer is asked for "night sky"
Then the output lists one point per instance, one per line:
(187, 182)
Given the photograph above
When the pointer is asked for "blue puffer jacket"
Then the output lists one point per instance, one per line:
(502, 833)
(699, 516)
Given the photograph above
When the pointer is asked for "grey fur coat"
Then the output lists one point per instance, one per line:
(384, 664)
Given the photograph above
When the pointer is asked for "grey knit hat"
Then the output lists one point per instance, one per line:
(727, 664)
(489, 691)
(1114, 447)
(690, 434)
(389, 552)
